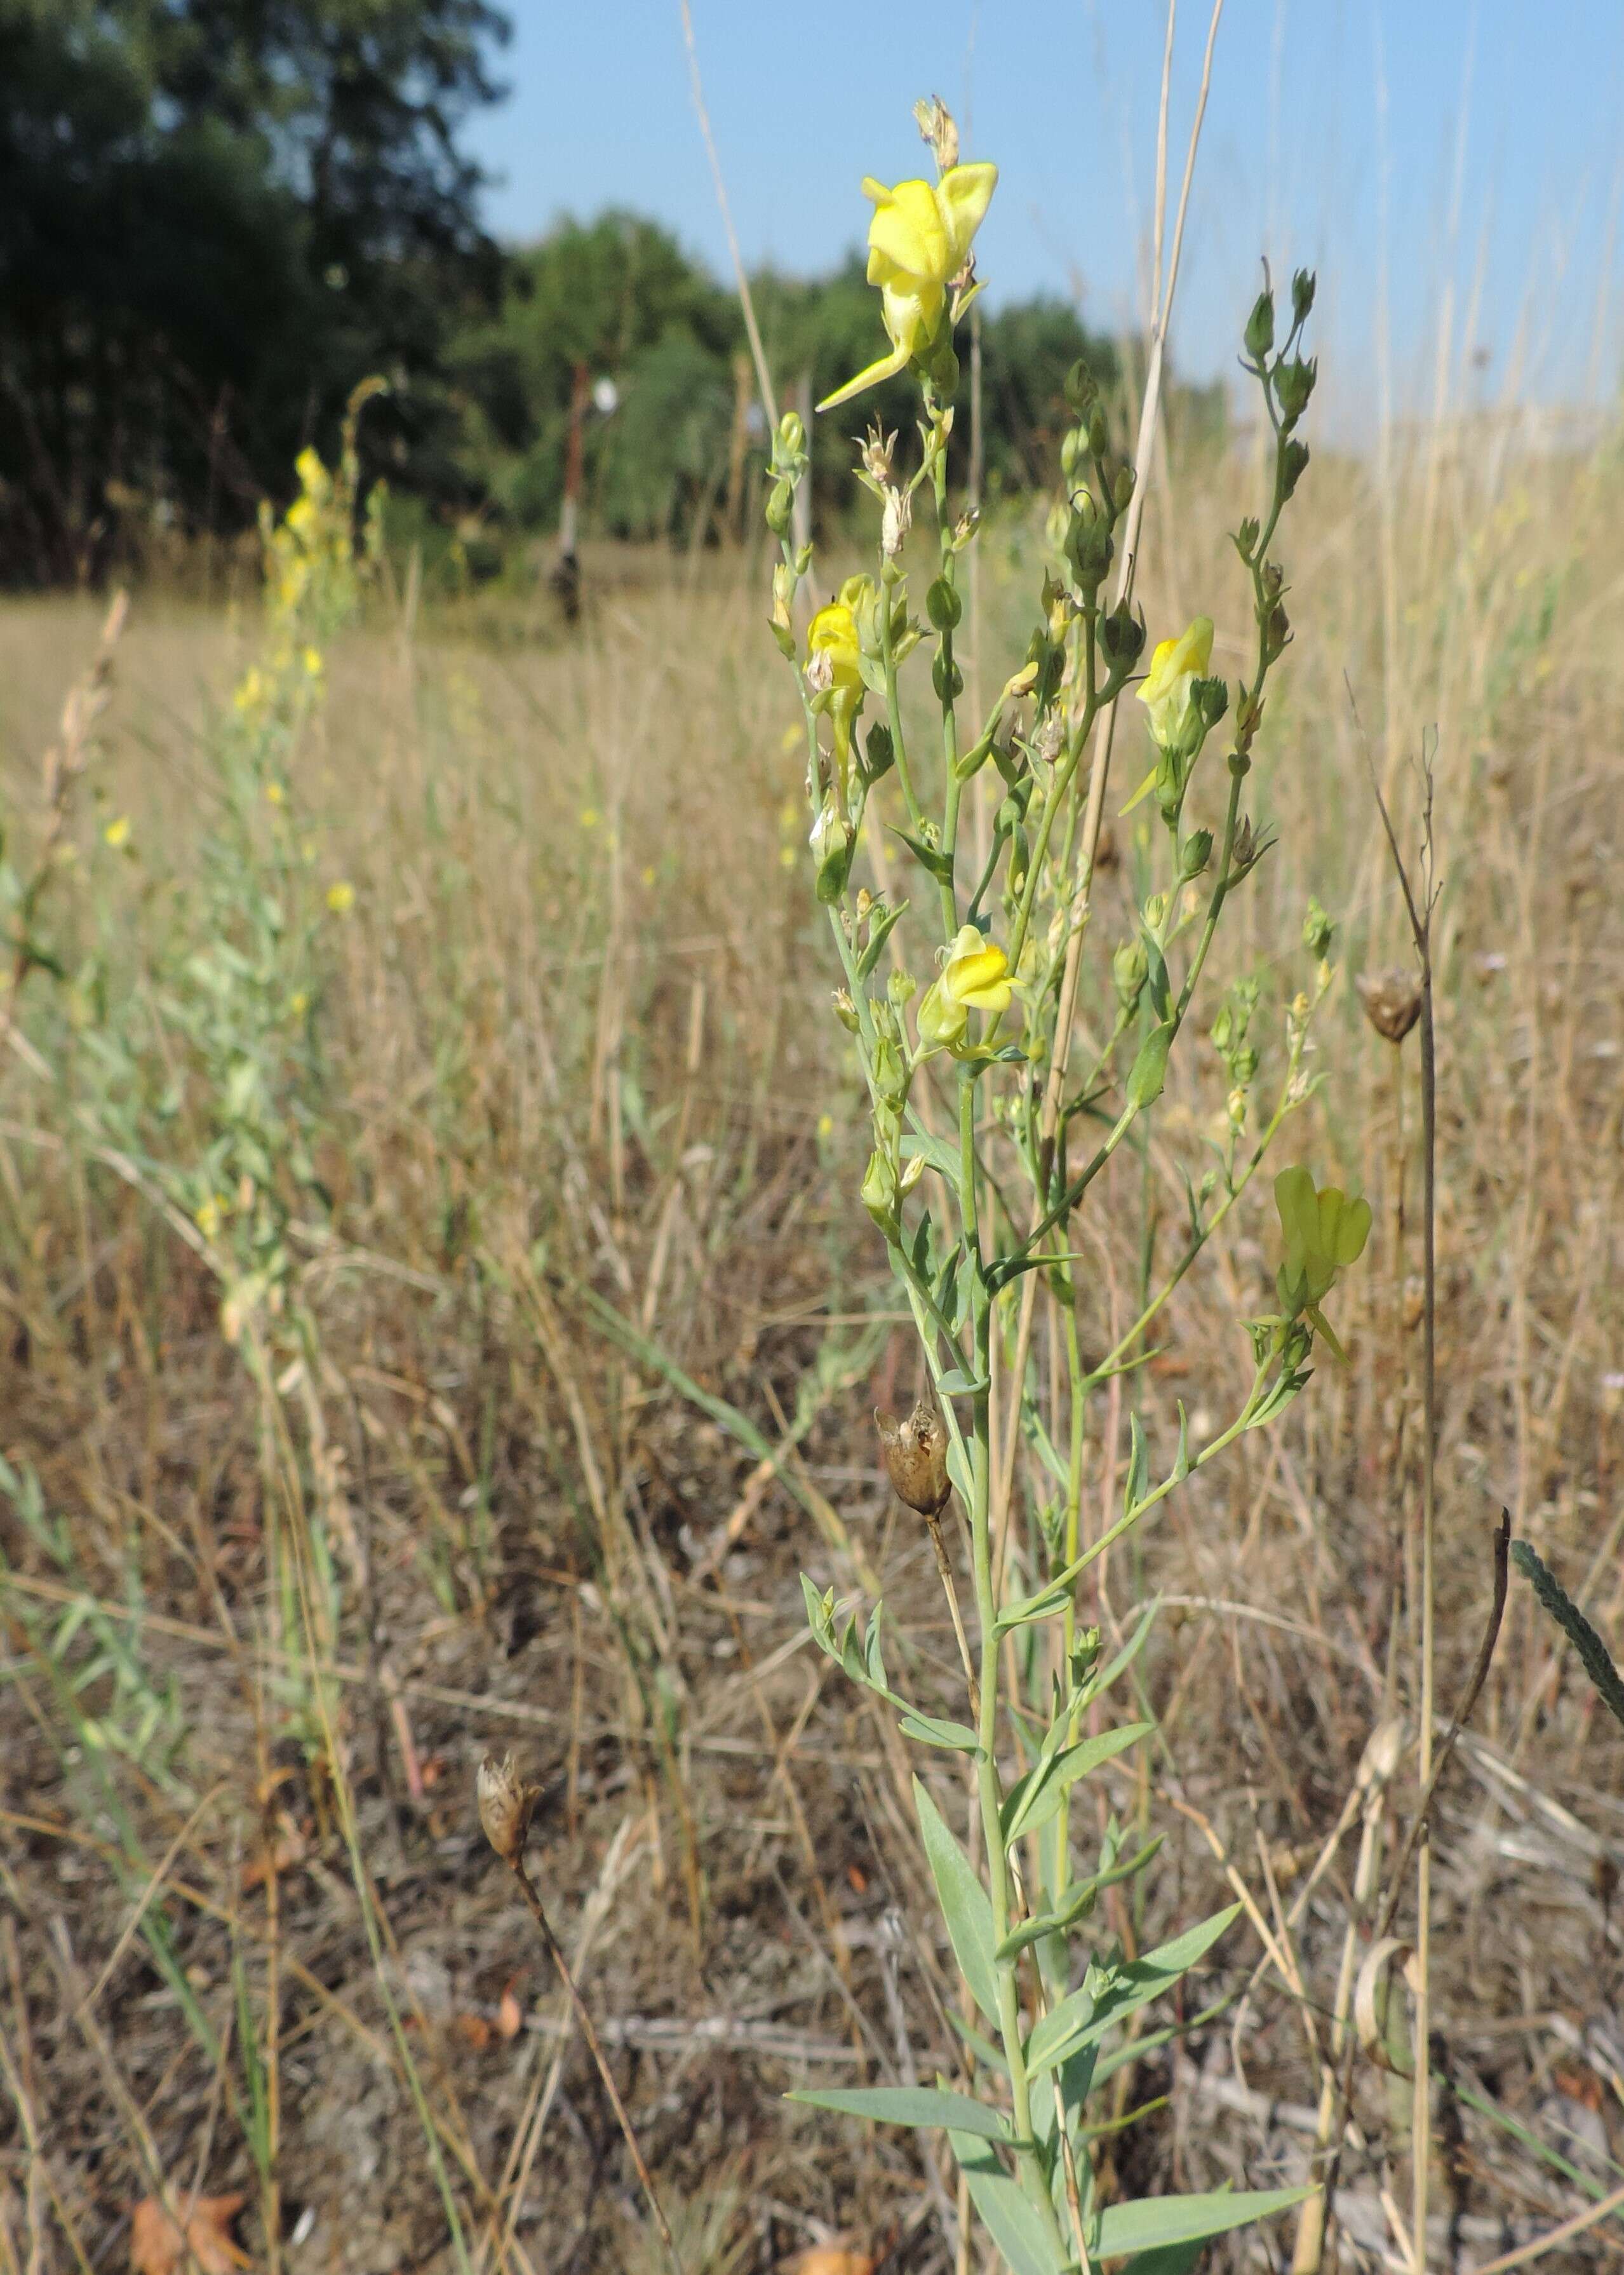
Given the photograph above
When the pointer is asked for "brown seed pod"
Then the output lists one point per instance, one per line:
(1392, 1000)
(916, 1457)
(505, 1805)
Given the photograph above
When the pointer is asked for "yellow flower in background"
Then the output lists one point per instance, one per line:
(313, 663)
(1175, 666)
(117, 832)
(918, 240)
(251, 690)
(977, 974)
(341, 898)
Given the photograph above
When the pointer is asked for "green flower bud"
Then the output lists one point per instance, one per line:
(1260, 327)
(1130, 970)
(902, 987)
(1294, 383)
(1294, 459)
(1318, 932)
(846, 1011)
(879, 1191)
(1302, 295)
(1082, 390)
(780, 502)
(1197, 852)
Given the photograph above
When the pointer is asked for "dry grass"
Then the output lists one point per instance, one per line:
(576, 1054)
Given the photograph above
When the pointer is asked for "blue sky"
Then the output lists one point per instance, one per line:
(1479, 144)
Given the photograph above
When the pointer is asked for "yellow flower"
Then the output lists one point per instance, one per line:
(918, 240)
(1165, 691)
(250, 691)
(313, 661)
(274, 793)
(589, 817)
(117, 832)
(835, 663)
(341, 898)
(977, 974)
(208, 1218)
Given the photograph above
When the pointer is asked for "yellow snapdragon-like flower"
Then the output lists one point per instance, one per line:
(975, 978)
(976, 972)
(918, 240)
(834, 662)
(1175, 666)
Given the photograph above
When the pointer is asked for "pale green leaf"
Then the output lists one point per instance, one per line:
(965, 1904)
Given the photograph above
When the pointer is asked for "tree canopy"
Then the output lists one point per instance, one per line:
(217, 215)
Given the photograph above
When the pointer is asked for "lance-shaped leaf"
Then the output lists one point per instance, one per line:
(930, 1731)
(1153, 2223)
(910, 2105)
(1032, 1799)
(1075, 1902)
(1008, 2213)
(1083, 2018)
(965, 1904)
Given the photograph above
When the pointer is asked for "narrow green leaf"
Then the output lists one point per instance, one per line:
(1136, 1985)
(1150, 1069)
(931, 1732)
(956, 1384)
(908, 2105)
(1007, 2214)
(930, 858)
(1035, 1798)
(879, 931)
(938, 1153)
(965, 1904)
(1172, 2259)
(1138, 1464)
(1152, 2223)
(1074, 1902)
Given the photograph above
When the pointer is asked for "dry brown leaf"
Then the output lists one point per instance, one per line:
(475, 2029)
(156, 2247)
(509, 2015)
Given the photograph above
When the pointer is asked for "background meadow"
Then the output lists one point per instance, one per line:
(434, 1318)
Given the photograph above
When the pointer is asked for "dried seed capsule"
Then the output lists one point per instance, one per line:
(1392, 1000)
(916, 1457)
(505, 1805)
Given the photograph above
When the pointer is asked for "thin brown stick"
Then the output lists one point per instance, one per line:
(1536, 2248)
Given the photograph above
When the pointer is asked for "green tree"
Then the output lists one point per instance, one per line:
(216, 215)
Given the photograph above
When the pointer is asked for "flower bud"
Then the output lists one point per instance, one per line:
(1081, 386)
(1301, 296)
(831, 844)
(1294, 383)
(916, 1457)
(1197, 852)
(1260, 327)
(879, 1191)
(936, 126)
(792, 433)
(902, 987)
(1294, 461)
(846, 1011)
(780, 502)
(1318, 932)
(1129, 968)
(942, 1022)
(913, 1169)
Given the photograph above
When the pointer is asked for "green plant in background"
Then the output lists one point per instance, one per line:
(987, 1141)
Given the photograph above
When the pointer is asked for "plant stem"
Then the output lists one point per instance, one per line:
(588, 2031)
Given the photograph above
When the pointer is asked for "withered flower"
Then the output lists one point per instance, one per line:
(916, 1457)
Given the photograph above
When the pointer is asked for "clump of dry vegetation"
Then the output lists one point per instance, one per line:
(431, 1326)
